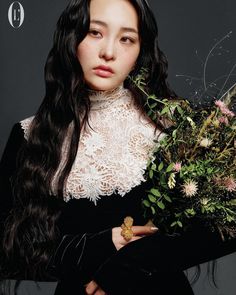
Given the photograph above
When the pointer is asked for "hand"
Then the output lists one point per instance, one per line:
(92, 288)
(139, 232)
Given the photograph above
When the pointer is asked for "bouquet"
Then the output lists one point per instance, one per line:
(193, 169)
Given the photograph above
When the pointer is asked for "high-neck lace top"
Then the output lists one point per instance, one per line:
(114, 147)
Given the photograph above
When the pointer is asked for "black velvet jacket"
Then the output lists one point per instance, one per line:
(151, 265)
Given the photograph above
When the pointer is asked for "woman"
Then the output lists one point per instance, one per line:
(74, 171)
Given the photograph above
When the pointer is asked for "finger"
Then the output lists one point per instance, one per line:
(91, 287)
(135, 238)
(99, 292)
(144, 230)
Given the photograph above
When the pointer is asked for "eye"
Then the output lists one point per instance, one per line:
(95, 33)
(127, 40)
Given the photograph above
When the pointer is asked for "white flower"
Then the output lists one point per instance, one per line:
(171, 181)
(190, 188)
(205, 142)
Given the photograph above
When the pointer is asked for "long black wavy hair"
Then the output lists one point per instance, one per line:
(31, 230)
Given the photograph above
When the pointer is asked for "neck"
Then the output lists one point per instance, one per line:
(101, 99)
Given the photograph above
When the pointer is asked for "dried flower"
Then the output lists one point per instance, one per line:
(190, 188)
(217, 180)
(230, 184)
(171, 181)
(216, 123)
(224, 120)
(192, 180)
(204, 201)
(205, 142)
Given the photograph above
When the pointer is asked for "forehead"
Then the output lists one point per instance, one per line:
(114, 12)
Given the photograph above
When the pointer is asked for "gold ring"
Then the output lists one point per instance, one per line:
(126, 231)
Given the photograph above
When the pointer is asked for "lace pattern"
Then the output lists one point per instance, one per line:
(113, 150)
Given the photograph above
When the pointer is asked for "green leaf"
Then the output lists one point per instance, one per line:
(191, 122)
(146, 203)
(170, 167)
(151, 174)
(209, 170)
(174, 133)
(149, 113)
(163, 181)
(153, 105)
(190, 211)
(154, 166)
(155, 192)
(167, 198)
(173, 224)
(233, 202)
(151, 198)
(160, 167)
(179, 223)
(161, 205)
(179, 109)
(153, 210)
(178, 214)
(165, 110)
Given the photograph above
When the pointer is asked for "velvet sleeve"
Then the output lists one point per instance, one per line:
(158, 254)
(78, 257)
(83, 252)
(7, 169)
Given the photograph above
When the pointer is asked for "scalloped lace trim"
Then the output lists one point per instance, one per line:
(112, 155)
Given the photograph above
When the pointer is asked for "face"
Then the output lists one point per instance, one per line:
(109, 51)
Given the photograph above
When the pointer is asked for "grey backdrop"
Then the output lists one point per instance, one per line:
(188, 30)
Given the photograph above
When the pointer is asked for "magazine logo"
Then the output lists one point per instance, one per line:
(16, 14)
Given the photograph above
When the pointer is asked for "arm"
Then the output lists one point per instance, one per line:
(161, 254)
(83, 249)
(79, 256)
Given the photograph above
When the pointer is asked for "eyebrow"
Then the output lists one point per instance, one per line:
(126, 29)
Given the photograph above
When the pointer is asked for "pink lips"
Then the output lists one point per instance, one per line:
(103, 71)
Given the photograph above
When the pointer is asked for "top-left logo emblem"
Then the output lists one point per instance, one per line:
(16, 14)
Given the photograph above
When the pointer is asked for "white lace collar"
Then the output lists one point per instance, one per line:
(113, 153)
(103, 99)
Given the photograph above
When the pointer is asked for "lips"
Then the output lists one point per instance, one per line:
(104, 68)
(103, 71)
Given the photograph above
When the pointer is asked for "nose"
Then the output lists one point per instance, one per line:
(108, 50)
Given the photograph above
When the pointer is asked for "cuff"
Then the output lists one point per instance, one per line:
(79, 256)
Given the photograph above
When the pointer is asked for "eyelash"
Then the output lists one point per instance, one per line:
(97, 33)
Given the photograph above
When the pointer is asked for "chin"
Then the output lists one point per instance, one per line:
(103, 85)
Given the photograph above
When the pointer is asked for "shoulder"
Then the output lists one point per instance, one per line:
(25, 126)
(18, 135)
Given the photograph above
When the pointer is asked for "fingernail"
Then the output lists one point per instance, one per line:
(154, 228)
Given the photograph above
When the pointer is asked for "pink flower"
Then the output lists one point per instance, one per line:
(227, 112)
(224, 109)
(220, 104)
(230, 184)
(224, 120)
(177, 167)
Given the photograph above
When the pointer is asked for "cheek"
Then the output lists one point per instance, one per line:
(83, 52)
(129, 59)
